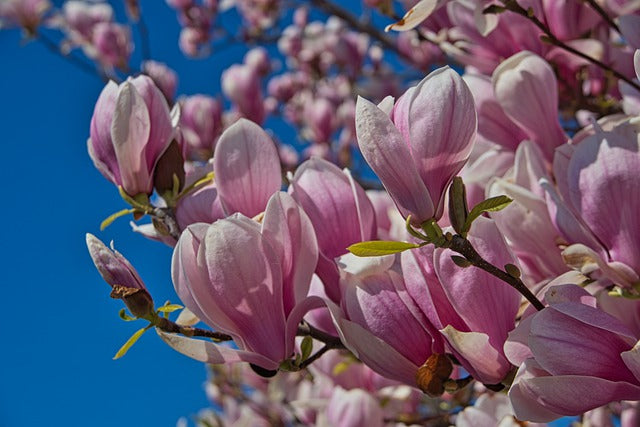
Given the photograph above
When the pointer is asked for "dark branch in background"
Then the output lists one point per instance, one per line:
(595, 6)
(363, 27)
(144, 38)
(73, 60)
(513, 6)
(306, 329)
(463, 246)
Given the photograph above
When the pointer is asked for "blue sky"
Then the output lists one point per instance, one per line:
(61, 328)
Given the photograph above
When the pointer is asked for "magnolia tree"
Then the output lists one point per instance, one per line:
(480, 269)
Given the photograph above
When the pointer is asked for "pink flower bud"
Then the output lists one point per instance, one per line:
(241, 84)
(258, 59)
(24, 13)
(112, 44)
(248, 281)
(121, 276)
(201, 124)
(164, 77)
(130, 129)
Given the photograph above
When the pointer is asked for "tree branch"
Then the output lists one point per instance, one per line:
(463, 246)
(363, 27)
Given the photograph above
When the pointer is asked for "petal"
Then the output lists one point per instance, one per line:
(161, 132)
(485, 303)
(388, 155)
(245, 285)
(247, 168)
(207, 352)
(416, 15)
(442, 125)
(373, 303)
(293, 239)
(527, 76)
(130, 134)
(603, 173)
(337, 206)
(573, 395)
(483, 361)
(100, 145)
(564, 345)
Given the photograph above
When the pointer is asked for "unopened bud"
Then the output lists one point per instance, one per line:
(512, 270)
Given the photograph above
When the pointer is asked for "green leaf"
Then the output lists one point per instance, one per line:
(107, 222)
(130, 342)
(492, 204)
(124, 316)
(170, 308)
(380, 247)
(460, 261)
(306, 347)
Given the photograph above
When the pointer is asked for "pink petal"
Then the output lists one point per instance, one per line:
(245, 284)
(291, 235)
(130, 130)
(478, 356)
(247, 168)
(388, 155)
(208, 352)
(442, 125)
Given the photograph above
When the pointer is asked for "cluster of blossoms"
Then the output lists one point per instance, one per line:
(402, 305)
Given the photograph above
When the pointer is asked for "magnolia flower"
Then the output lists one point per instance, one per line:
(419, 144)
(248, 281)
(579, 358)
(130, 129)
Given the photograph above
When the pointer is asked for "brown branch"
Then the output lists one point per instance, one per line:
(595, 6)
(463, 246)
(167, 325)
(363, 27)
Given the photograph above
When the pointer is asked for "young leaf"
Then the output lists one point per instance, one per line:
(169, 308)
(107, 222)
(379, 247)
(306, 347)
(130, 342)
(124, 316)
(492, 204)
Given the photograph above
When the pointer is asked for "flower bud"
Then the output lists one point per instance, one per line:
(121, 276)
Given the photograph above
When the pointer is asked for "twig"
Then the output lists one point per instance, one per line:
(167, 325)
(316, 356)
(306, 329)
(463, 246)
(73, 60)
(363, 27)
(603, 14)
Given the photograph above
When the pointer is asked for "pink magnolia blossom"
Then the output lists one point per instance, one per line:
(164, 77)
(200, 124)
(353, 408)
(419, 144)
(241, 84)
(472, 310)
(130, 129)
(526, 76)
(592, 206)
(249, 281)
(111, 44)
(378, 324)
(580, 358)
(24, 13)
